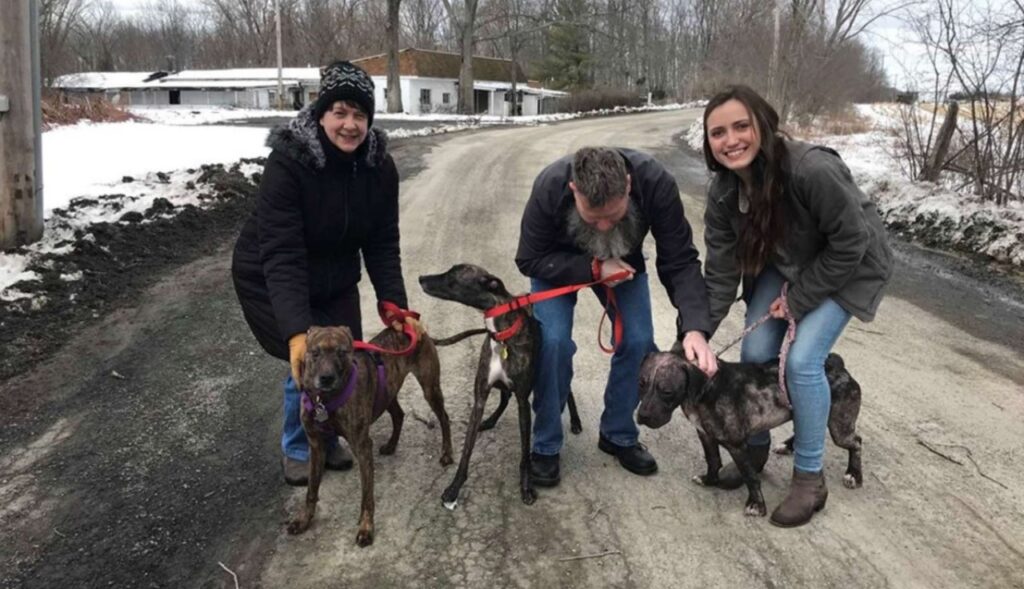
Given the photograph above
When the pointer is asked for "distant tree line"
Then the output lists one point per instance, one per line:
(806, 55)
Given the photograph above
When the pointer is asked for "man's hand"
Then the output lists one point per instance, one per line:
(613, 266)
(777, 309)
(696, 349)
(297, 355)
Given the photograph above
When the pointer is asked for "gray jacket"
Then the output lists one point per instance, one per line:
(834, 246)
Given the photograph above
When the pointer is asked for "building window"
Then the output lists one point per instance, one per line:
(425, 96)
(385, 95)
(446, 98)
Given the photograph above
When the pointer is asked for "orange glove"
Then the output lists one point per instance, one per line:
(297, 355)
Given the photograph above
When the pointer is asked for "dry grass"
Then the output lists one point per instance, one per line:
(63, 109)
(845, 122)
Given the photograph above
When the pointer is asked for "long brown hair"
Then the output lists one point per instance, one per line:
(763, 228)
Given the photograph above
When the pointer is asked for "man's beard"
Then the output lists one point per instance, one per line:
(617, 242)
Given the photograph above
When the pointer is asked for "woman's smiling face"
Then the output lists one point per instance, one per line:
(345, 125)
(733, 135)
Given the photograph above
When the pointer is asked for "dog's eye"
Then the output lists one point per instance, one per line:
(315, 353)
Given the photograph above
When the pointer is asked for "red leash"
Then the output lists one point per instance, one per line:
(389, 313)
(523, 301)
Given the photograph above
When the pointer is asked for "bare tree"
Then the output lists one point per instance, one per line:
(58, 19)
(462, 15)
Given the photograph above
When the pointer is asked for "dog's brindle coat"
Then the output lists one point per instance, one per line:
(742, 399)
(507, 366)
(328, 364)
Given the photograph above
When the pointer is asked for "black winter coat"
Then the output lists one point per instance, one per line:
(547, 251)
(296, 262)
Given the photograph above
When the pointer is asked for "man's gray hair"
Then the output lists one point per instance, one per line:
(600, 174)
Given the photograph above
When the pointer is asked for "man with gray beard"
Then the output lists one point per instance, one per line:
(586, 219)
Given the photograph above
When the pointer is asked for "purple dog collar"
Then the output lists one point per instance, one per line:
(339, 400)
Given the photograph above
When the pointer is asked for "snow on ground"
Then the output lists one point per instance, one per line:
(87, 165)
(929, 213)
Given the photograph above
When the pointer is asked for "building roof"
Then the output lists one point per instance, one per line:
(438, 64)
(102, 80)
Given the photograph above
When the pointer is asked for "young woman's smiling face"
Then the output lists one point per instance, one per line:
(733, 136)
(345, 125)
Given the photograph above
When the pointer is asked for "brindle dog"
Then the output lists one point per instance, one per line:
(329, 362)
(741, 400)
(506, 365)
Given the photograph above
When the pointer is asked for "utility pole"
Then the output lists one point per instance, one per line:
(280, 76)
(21, 194)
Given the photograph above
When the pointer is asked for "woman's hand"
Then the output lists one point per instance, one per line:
(778, 308)
(400, 327)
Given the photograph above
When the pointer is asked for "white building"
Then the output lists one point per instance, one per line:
(428, 79)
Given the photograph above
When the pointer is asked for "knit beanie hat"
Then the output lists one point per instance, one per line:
(344, 81)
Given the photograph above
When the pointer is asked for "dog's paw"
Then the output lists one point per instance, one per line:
(446, 460)
(450, 499)
(529, 496)
(783, 449)
(852, 481)
(388, 449)
(297, 526)
(704, 480)
(576, 428)
(755, 509)
(364, 538)
(486, 425)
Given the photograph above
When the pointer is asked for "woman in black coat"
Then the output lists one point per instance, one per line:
(329, 193)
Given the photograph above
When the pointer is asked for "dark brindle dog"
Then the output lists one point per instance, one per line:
(507, 366)
(330, 362)
(741, 400)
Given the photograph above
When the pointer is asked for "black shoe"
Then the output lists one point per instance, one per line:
(296, 473)
(544, 470)
(339, 457)
(636, 459)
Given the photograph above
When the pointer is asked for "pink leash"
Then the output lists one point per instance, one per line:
(786, 342)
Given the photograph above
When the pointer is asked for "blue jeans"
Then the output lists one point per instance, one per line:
(293, 438)
(808, 387)
(554, 364)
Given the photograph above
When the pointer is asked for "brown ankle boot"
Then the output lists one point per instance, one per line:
(807, 495)
(729, 476)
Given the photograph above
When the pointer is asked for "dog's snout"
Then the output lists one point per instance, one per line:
(326, 381)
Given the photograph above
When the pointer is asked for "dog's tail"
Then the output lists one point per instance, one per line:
(458, 337)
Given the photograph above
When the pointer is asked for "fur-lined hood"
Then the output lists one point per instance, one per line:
(298, 140)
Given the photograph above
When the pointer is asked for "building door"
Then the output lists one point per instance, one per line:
(481, 102)
(175, 96)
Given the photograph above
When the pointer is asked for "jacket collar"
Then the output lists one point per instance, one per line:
(298, 140)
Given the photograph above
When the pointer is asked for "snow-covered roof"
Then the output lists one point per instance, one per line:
(247, 74)
(103, 80)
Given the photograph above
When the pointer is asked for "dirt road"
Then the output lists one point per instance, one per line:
(149, 457)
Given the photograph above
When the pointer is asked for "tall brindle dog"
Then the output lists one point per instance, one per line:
(505, 365)
(333, 368)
